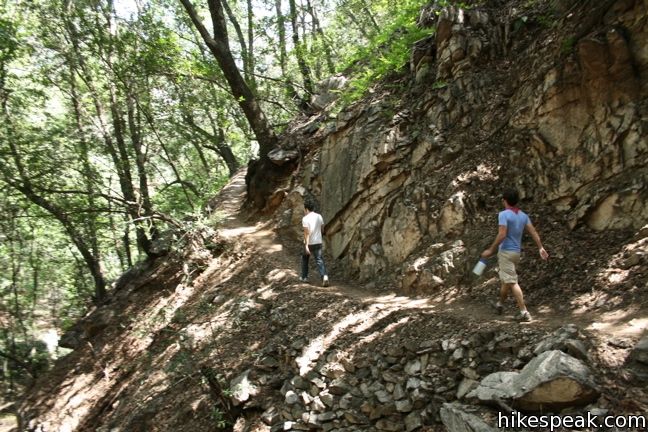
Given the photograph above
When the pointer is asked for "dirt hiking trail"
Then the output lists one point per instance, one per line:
(283, 254)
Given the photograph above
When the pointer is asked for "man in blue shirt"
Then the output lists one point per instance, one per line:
(508, 245)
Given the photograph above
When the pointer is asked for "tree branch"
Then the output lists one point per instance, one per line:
(19, 363)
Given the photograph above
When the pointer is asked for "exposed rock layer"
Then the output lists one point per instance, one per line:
(550, 100)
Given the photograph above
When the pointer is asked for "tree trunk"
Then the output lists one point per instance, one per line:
(226, 153)
(368, 14)
(281, 32)
(355, 21)
(245, 57)
(115, 239)
(320, 33)
(168, 159)
(299, 50)
(88, 172)
(118, 154)
(302, 103)
(218, 144)
(219, 47)
(140, 163)
(122, 160)
(23, 185)
(250, 31)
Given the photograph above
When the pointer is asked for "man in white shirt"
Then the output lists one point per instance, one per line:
(312, 223)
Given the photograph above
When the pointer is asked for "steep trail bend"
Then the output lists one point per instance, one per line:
(282, 253)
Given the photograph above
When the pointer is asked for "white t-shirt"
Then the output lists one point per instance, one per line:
(313, 221)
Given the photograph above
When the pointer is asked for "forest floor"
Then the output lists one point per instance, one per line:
(462, 302)
(610, 332)
(145, 370)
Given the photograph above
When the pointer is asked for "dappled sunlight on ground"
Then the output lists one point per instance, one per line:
(8, 423)
(375, 335)
(402, 301)
(621, 324)
(235, 232)
(75, 400)
(247, 304)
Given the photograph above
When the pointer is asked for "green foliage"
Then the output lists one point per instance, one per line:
(546, 20)
(180, 364)
(204, 307)
(439, 85)
(180, 316)
(567, 45)
(218, 417)
(8, 41)
(386, 53)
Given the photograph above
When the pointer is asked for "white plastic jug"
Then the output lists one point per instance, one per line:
(479, 267)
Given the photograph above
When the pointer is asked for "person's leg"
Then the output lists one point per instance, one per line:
(519, 297)
(316, 250)
(508, 262)
(304, 264)
(504, 292)
(512, 260)
(503, 265)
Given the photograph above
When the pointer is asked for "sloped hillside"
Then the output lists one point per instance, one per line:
(547, 96)
(225, 337)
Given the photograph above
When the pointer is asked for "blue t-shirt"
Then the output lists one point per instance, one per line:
(514, 223)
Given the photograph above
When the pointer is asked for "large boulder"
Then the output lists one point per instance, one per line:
(496, 386)
(439, 265)
(638, 359)
(282, 156)
(328, 91)
(566, 339)
(553, 380)
(461, 418)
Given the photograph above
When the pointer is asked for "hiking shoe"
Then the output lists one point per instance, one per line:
(325, 281)
(302, 279)
(523, 316)
(499, 308)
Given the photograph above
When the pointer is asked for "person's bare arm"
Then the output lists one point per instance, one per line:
(501, 235)
(536, 238)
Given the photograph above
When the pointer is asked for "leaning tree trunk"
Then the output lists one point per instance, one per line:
(299, 49)
(320, 33)
(24, 186)
(219, 47)
(302, 103)
(245, 58)
(250, 31)
(116, 148)
(216, 143)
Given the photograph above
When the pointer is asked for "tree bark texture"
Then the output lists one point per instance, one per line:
(302, 103)
(304, 69)
(219, 47)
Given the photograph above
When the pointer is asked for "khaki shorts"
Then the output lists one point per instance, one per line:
(507, 261)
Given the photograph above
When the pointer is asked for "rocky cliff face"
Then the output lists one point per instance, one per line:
(549, 97)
